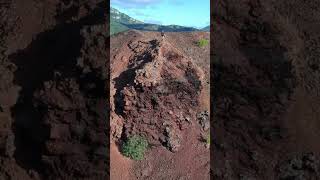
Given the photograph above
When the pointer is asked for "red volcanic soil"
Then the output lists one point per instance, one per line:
(157, 92)
(53, 90)
(266, 89)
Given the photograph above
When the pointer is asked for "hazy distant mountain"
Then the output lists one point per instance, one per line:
(121, 22)
(156, 27)
(207, 28)
(120, 17)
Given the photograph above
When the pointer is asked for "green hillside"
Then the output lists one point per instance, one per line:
(207, 28)
(155, 27)
(116, 27)
(120, 22)
(118, 16)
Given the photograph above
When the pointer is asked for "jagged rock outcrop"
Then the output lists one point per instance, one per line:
(159, 85)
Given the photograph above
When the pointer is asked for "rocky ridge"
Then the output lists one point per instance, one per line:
(156, 96)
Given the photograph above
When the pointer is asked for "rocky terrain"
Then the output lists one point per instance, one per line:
(53, 90)
(265, 93)
(264, 83)
(156, 92)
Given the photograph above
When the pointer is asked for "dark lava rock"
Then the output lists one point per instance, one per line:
(264, 54)
(204, 120)
(300, 167)
(53, 111)
(172, 139)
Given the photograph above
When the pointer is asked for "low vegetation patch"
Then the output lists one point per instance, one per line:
(135, 147)
(208, 139)
(202, 42)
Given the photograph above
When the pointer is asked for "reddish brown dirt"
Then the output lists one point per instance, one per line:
(266, 89)
(156, 92)
(120, 166)
(52, 90)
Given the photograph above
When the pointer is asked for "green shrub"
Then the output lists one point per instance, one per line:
(206, 139)
(135, 147)
(202, 42)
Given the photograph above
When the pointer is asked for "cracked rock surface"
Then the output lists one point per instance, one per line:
(53, 90)
(266, 90)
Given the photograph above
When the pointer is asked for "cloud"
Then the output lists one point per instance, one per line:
(139, 13)
(134, 3)
(152, 21)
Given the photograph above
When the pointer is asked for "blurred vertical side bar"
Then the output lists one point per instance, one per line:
(107, 130)
(54, 84)
(265, 89)
(212, 4)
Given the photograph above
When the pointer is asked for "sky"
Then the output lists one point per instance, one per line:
(191, 13)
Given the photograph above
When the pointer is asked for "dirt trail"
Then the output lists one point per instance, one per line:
(120, 167)
(156, 89)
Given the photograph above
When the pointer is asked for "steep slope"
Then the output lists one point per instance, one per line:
(116, 27)
(155, 93)
(117, 16)
(119, 21)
